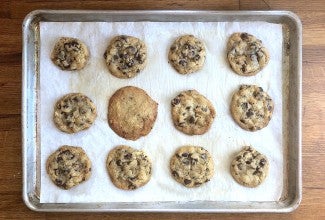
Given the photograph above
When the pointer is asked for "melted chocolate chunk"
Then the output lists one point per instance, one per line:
(244, 36)
(186, 181)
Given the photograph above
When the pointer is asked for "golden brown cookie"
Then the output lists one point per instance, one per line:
(131, 112)
(74, 112)
(192, 113)
(128, 168)
(246, 54)
(68, 166)
(191, 166)
(187, 54)
(70, 54)
(249, 168)
(126, 56)
(251, 107)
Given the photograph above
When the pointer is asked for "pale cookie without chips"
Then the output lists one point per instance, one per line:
(131, 112)
(68, 166)
(192, 166)
(246, 54)
(249, 168)
(192, 113)
(187, 54)
(126, 56)
(251, 107)
(74, 112)
(128, 168)
(70, 54)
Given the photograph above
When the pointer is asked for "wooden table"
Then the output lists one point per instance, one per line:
(312, 14)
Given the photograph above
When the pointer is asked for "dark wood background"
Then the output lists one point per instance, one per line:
(312, 14)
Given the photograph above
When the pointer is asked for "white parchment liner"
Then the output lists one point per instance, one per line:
(216, 81)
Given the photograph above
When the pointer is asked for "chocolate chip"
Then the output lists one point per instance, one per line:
(105, 55)
(184, 154)
(197, 183)
(256, 172)
(58, 182)
(132, 186)
(172, 48)
(197, 57)
(118, 163)
(248, 162)
(262, 162)
(243, 69)
(203, 156)
(186, 181)
(244, 36)
(130, 63)
(191, 120)
(128, 156)
(244, 105)
(249, 113)
(175, 174)
(175, 101)
(182, 62)
(238, 158)
(269, 107)
(188, 107)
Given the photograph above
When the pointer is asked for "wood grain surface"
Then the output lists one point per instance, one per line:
(312, 14)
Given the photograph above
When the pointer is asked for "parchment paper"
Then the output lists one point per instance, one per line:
(216, 81)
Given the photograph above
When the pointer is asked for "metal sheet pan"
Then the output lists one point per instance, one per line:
(292, 87)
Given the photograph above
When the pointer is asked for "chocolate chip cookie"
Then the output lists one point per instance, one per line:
(251, 107)
(74, 112)
(246, 54)
(191, 166)
(249, 168)
(68, 166)
(187, 54)
(192, 113)
(131, 112)
(126, 56)
(70, 54)
(128, 168)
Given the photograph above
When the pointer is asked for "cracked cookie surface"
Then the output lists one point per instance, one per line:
(192, 113)
(191, 166)
(249, 168)
(246, 54)
(131, 112)
(128, 168)
(126, 56)
(68, 166)
(187, 54)
(70, 54)
(74, 112)
(251, 107)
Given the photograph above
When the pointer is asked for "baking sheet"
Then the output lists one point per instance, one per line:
(216, 81)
